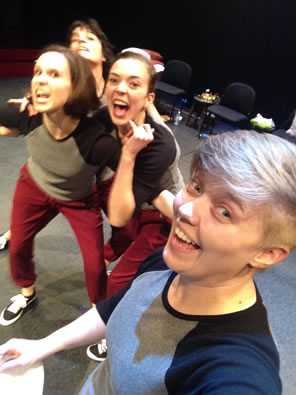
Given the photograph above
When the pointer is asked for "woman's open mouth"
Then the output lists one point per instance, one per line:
(181, 240)
(120, 108)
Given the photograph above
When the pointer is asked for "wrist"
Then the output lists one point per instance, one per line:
(127, 155)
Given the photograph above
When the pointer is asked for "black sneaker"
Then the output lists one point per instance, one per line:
(4, 243)
(97, 352)
(15, 309)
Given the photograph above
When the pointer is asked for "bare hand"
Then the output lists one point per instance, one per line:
(24, 104)
(138, 138)
(20, 353)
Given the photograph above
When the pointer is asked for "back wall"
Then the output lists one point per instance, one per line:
(223, 40)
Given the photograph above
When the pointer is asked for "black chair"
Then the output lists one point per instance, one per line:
(174, 81)
(236, 105)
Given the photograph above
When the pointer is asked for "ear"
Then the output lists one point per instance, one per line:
(269, 257)
(150, 99)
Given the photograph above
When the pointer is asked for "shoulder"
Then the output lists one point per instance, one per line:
(154, 262)
(231, 354)
(10, 116)
(162, 151)
(103, 117)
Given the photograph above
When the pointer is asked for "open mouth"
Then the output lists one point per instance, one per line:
(183, 241)
(81, 48)
(41, 96)
(120, 108)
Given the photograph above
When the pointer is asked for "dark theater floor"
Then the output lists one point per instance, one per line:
(61, 288)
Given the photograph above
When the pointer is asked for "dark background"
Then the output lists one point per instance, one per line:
(250, 41)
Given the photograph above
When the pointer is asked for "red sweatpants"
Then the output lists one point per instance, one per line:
(33, 210)
(141, 236)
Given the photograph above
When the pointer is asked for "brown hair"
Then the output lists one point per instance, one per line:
(93, 26)
(141, 58)
(84, 92)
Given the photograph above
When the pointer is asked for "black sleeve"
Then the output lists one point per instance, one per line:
(11, 117)
(97, 147)
(102, 115)
(151, 164)
(154, 262)
(106, 152)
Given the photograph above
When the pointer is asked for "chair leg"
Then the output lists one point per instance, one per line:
(173, 108)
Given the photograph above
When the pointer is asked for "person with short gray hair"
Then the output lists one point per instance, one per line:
(192, 319)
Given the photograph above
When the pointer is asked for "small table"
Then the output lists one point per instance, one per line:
(202, 105)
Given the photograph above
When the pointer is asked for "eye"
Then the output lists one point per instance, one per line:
(37, 72)
(54, 74)
(224, 212)
(112, 80)
(134, 85)
(194, 184)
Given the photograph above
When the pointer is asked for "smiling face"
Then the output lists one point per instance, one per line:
(51, 84)
(87, 44)
(127, 91)
(215, 235)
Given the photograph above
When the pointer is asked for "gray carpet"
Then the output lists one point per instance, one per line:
(61, 287)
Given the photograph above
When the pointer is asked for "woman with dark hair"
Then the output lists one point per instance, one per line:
(86, 38)
(137, 205)
(63, 91)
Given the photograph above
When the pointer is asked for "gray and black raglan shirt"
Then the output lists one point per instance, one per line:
(154, 349)
(64, 169)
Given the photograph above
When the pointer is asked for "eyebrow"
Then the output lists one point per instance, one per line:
(223, 191)
(130, 76)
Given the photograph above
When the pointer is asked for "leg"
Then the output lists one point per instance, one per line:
(121, 238)
(119, 242)
(151, 231)
(87, 223)
(31, 212)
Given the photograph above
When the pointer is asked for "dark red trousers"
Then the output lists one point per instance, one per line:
(133, 242)
(140, 237)
(33, 210)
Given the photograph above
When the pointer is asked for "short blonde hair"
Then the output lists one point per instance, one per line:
(259, 167)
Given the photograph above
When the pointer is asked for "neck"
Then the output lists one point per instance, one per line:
(59, 125)
(188, 297)
(97, 71)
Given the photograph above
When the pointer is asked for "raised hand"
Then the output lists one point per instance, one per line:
(138, 138)
(24, 104)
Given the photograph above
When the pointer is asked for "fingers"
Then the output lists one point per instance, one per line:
(22, 102)
(15, 101)
(132, 124)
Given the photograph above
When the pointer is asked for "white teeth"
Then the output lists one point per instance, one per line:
(41, 93)
(183, 237)
(119, 103)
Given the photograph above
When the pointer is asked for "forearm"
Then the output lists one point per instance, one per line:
(84, 330)
(24, 353)
(121, 203)
(9, 132)
(164, 203)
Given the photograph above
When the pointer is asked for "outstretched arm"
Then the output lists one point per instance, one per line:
(121, 204)
(24, 105)
(22, 353)
(164, 203)
(9, 132)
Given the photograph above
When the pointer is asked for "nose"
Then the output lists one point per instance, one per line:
(187, 209)
(82, 38)
(41, 78)
(122, 86)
